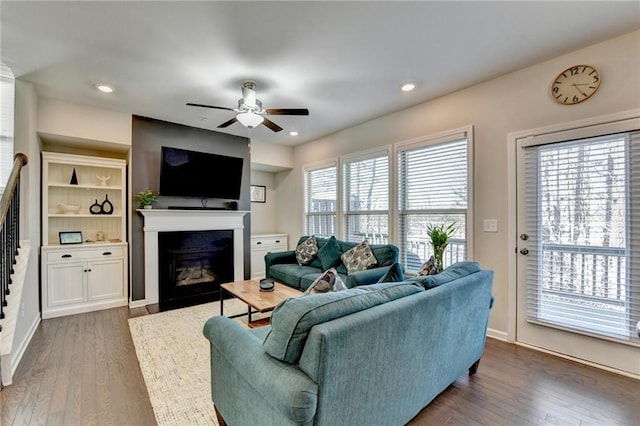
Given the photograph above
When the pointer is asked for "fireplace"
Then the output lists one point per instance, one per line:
(192, 265)
(163, 221)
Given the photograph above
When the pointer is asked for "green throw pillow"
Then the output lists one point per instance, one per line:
(329, 255)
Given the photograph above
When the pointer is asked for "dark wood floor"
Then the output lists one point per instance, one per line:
(82, 369)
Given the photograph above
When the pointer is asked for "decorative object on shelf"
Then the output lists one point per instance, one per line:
(575, 84)
(103, 179)
(70, 237)
(145, 198)
(439, 236)
(68, 208)
(95, 208)
(100, 236)
(258, 194)
(74, 178)
(106, 207)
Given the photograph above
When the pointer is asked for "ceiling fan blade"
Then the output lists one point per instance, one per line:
(270, 124)
(288, 111)
(228, 123)
(209, 106)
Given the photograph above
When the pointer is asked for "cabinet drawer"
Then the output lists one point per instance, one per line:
(270, 243)
(84, 254)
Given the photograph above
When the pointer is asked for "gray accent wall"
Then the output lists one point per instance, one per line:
(148, 136)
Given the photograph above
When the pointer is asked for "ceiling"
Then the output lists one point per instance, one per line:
(344, 61)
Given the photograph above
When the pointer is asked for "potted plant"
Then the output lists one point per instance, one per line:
(439, 236)
(145, 198)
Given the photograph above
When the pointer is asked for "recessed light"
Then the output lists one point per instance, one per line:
(407, 87)
(104, 88)
(294, 133)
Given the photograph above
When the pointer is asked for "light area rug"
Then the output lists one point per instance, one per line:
(175, 361)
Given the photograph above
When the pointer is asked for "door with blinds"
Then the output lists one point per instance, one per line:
(578, 207)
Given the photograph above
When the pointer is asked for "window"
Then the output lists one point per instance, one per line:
(320, 199)
(583, 199)
(433, 189)
(366, 198)
(7, 84)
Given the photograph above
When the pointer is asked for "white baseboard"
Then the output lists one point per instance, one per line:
(497, 334)
(137, 303)
(15, 360)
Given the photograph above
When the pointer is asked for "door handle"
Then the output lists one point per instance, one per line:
(524, 237)
(524, 251)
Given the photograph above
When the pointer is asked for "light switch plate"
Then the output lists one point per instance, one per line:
(491, 225)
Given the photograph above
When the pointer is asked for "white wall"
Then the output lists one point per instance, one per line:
(513, 102)
(263, 215)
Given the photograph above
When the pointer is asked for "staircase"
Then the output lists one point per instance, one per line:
(13, 261)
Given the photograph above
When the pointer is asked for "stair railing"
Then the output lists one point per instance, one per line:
(10, 228)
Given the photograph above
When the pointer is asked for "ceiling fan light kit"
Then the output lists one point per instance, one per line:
(250, 111)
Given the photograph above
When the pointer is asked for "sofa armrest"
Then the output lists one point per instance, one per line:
(238, 358)
(366, 277)
(273, 258)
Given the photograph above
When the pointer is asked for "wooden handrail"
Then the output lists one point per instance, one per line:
(19, 161)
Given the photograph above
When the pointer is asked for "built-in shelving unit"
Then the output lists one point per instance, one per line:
(90, 275)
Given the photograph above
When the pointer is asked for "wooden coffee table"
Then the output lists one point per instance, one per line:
(256, 300)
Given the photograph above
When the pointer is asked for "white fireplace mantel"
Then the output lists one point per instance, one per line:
(163, 220)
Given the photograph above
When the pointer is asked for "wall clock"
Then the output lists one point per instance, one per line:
(575, 84)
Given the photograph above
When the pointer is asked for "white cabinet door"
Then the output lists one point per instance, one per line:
(105, 279)
(66, 283)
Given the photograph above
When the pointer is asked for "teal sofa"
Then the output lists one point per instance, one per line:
(372, 355)
(283, 266)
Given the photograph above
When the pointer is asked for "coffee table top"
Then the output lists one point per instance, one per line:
(262, 301)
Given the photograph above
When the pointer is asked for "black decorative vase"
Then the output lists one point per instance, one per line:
(95, 208)
(74, 178)
(106, 207)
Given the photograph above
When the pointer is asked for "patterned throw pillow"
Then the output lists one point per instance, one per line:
(359, 258)
(429, 267)
(307, 250)
(328, 281)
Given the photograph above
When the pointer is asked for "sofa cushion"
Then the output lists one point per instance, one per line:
(306, 251)
(394, 274)
(453, 272)
(292, 319)
(359, 258)
(386, 254)
(329, 254)
(291, 273)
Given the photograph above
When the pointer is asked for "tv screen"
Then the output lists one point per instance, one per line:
(199, 174)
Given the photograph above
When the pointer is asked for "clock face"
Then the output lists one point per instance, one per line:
(575, 84)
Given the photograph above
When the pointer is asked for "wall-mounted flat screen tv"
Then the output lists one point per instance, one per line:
(186, 173)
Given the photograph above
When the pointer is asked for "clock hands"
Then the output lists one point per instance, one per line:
(578, 89)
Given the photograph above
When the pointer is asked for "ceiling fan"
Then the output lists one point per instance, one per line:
(250, 111)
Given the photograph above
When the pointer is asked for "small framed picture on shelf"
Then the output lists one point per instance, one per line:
(70, 237)
(258, 194)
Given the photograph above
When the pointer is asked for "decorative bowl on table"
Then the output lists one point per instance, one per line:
(65, 208)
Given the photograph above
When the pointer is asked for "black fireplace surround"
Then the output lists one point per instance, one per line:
(192, 265)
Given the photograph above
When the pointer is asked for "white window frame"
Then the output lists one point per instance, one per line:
(306, 169)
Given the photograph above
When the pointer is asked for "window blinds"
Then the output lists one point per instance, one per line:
(583, 219)
(321, 201)
(366, 199)
(432, 190)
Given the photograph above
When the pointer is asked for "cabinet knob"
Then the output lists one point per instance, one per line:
(66, 255)
(106, 253)
(259, 242)
(277, 241)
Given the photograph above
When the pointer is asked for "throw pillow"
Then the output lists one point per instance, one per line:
(306, 250)
(329, 255)
(328, 281)
(429, 267)
(359, 258)
(394, 274)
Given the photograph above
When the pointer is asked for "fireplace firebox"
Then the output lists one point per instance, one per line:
(192, 265)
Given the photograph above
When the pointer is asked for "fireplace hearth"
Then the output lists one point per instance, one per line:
(192, 265)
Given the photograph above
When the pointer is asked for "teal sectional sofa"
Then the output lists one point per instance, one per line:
(372, 355)
(283, 267)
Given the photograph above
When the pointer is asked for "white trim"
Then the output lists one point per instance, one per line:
(512, 230)
(497, 334)
(17, 356)
(140, 303)
(434, 138)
